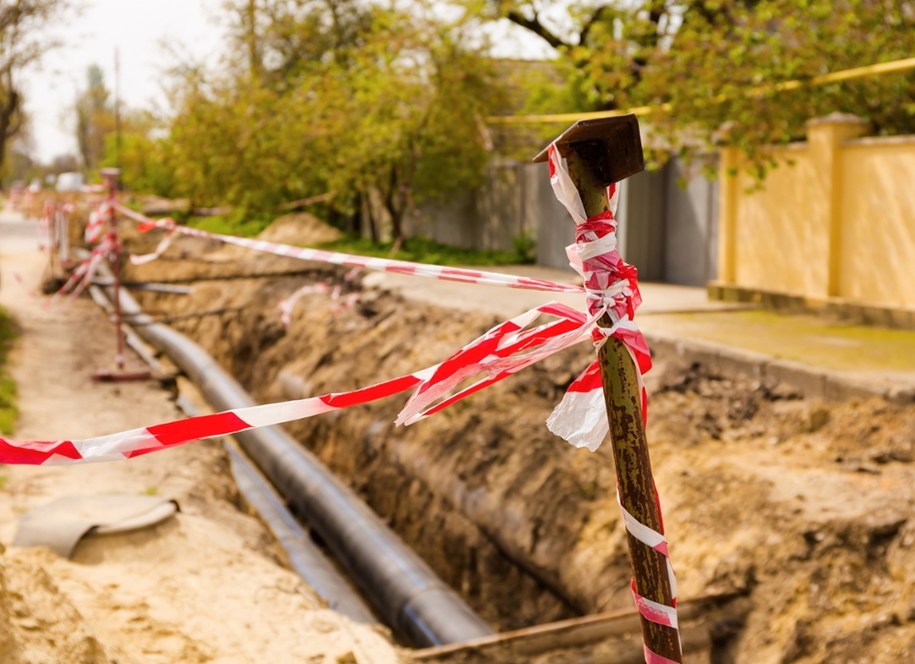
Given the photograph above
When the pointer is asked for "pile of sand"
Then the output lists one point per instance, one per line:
(299, 228)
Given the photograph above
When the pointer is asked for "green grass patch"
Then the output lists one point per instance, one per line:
(231, 225)
(418, 249)
(8, 410)
(421, 249)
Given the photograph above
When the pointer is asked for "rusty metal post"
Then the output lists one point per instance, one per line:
(598, 155)
(111, 180)
(110, 176)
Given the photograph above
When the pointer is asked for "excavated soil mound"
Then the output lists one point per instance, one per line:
(299, 228)
(37, 622)
(803, 506)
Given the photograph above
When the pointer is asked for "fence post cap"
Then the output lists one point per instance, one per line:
(837, 119)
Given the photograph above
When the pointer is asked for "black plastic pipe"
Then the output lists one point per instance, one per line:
(404, 590)
(305, 558)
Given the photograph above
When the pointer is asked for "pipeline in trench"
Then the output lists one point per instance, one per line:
(405, 592)
(502, 553)
(302, 554)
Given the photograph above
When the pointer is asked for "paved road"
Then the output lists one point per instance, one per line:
(17, 234)
(656, 298)
(862, 354)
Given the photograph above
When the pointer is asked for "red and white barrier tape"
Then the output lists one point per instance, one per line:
(610, 285)
(53, 227)
(652, 657)
(98, 219)
(82, 276)
(108, 247)
(611, 289)
(442, 272)
(341, 301)
(612, 293)
(147, 225)
(502, 351)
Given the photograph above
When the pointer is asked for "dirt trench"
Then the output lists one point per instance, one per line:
(801, 505)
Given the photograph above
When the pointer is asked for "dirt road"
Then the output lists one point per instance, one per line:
(204, 586)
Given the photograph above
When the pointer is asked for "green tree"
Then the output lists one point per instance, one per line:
(23, 41)
(709, 65)
(95, 118)
(369, 102)
(406, 110)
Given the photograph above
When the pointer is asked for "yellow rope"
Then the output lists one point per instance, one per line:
(832, 77)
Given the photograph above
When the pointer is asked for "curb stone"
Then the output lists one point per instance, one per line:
(813, 382)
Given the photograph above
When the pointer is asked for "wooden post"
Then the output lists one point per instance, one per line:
(594, 162)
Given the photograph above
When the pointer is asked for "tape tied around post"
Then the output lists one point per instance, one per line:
(611, 289)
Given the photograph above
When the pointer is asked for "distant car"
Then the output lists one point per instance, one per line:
(69, 181)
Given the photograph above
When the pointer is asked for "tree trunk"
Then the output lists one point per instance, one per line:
(365, 207)
(395, 203)
(9, 123)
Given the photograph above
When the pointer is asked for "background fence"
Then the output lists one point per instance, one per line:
(668, 230)
(835, 221)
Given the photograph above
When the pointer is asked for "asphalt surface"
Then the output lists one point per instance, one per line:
(17, 234)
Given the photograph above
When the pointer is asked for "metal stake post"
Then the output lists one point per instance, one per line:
(111, 179)
(599, 153)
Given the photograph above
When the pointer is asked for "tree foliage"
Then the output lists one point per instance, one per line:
(379, 105)
(142, 157)
(23, 41)
(95, 118)
(710, 65)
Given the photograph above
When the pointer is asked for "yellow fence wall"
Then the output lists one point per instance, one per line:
(878, 221)
(835, 220)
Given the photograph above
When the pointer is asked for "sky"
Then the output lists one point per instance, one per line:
(138, 29)
(141, 31)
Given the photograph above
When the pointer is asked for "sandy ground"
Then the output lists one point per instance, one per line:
(804, 507)
(204, 586)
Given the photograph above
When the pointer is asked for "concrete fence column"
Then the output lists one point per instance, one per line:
(728, 194)
(825, 137)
